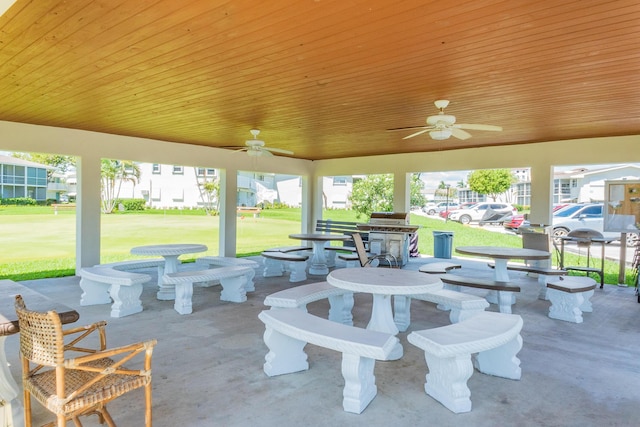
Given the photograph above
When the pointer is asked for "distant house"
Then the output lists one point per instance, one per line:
(22, 178)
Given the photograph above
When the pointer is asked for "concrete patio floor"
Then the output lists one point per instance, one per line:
(207, 366)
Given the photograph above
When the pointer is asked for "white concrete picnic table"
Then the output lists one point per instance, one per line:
(318, 240)
(382, 283)
(170, 253)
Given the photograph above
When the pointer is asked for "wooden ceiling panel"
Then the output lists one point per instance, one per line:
(323, 78)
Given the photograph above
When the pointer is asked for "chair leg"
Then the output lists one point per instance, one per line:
(26, 395)
(147, 398)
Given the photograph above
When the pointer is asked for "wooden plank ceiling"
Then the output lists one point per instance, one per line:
(323, 78)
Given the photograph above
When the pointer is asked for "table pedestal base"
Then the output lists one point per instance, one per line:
(382, 321)
(167, 292)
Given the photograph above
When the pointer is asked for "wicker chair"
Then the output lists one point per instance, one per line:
(84, 383)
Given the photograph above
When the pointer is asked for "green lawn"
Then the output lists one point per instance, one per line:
(38, 244)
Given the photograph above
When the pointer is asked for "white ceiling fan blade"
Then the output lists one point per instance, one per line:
(478, 127)
(277, 150)
(459, 133)
(240, 149)
(418, 133)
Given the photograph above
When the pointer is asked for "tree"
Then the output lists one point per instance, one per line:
(61, 163)
(209, 190)
(113, 174)
(491, 182)
(375, 194)
(416, 194)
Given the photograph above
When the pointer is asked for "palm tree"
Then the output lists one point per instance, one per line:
(113, 174)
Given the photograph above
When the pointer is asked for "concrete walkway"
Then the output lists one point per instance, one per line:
(207, 367)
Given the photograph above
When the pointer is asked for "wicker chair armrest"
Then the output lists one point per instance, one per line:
(79, 329)
(131, 350)
(85, 331)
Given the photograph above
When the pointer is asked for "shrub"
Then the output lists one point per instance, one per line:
(132, 204)
(18, 201)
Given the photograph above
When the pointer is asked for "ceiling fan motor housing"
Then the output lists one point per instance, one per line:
(441, 119)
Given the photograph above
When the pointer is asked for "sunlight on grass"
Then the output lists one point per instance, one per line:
(38, 244)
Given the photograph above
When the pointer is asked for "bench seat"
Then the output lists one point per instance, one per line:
(504, 290)
(289, 330)
(340, 300)
(287, 249)
(232, 279)
(101, 285)
(461, 306)
(542, 273)
(224, 261)
(276, 263)
(441, 267)
(570, 296)
(449, 349)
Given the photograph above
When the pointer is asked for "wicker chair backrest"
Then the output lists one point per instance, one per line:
(41, 337)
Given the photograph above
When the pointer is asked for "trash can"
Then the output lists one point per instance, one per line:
(442, 244)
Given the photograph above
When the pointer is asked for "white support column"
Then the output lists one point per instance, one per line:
(228, 202)
(88, 211)
(541, 194)
(401, 192)
(316, 202)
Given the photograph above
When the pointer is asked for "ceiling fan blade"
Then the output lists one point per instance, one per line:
(407, 128)
(477, 127)
(277, 150)
(418, 133)
(240, 149)
(459, 133)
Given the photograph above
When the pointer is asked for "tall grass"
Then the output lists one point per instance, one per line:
(38, 244)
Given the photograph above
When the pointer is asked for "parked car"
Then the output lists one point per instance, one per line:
(515, 222)
(519, 220)
(442, 206)
(477, 212)
(445, 214)
(587, 215)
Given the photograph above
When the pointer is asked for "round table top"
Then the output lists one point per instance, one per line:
(384, 281)
(319, 237)
(501, 252)
(169, 249)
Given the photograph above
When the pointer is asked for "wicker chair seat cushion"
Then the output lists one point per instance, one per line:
(43, 387)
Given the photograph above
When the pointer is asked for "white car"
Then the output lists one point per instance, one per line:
(439, 207)
(476, 213)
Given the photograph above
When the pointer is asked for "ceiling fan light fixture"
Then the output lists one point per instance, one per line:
(440, 134)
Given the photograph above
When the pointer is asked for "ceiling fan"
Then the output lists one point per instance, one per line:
(442, 126)
(255, 147)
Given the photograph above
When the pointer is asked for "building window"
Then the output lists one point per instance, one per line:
(206, 172)
(178, 170)
(339, 181)
(155, 169)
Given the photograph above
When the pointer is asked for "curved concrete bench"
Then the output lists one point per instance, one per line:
(232, 279)
(504, 290)
(448, 349)
(223, 261)
(276, 263)
(441, 267)
(102, 284)
(288, 331)
(541, 272)
(340, 300)
(569, 297)
(462, 306)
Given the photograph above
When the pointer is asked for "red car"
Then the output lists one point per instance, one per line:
(445, 213)
(516, 221)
